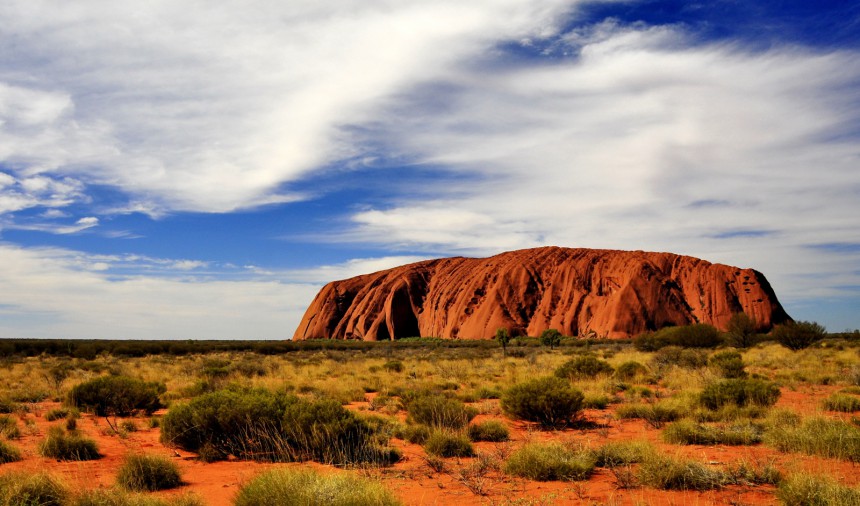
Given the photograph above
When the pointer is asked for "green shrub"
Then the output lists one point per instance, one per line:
(550, 337)
(148, 473)
(680, 357)
(32, 489)
(9, 453)
(629, 370)
(740, 392)
(728, 364)
(655, 414)
(596, 401)
(8, 405)
(843, 403)
(261, 425)
(72, 446)
(667, 473)
(798, 335)
(691, 433)
(439, 411)
(699, 335)
(287, 487)
(808, 490)
(415, 433)
(444, 443)
(117, 396)
(814, 436)
(489, 430)
(550, 462)
(59, 413)
(584, 367)
(549, 401)
(620, 453)
(489, 393)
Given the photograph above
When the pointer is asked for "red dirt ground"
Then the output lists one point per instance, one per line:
(416, 483)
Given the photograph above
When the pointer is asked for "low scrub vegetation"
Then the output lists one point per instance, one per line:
(489, 430)
(148, 472)
(437, 410)
(739, 392)
(584, 367)
(842, 402)
(656, 414)
(262, 425)
(549, 401)
(9, 453)
(447, 443)
(61, 445)
(32, 489)
(688, 432)
(728, 364)
(699, 335)
(669, 473)
(787, 432)
(622, 453)
(117, 396)
(550, 462)
(285, 487)
(806, 490)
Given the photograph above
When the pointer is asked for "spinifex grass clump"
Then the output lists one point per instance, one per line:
(117, 396)
(148, 473)
(843, 403)
(489, 430)
(549, 401)
(739, 392)
(807, 490)
(9, 453)
(9, 427)
(622, 453)
(447, 443)
(550, 462)
(655, 414)
(728, 364)
(285, 487)
(120, 497)
(813, 436)
(689, 432)
(32, 489)
(668, 473)
(437, 410)
(262, 425)
(68, 446)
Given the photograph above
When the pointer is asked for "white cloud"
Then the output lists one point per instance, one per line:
(639, 143)
(348, 269)
(196, 106)
(55, 293)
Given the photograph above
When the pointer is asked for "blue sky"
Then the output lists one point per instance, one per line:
(192, 170)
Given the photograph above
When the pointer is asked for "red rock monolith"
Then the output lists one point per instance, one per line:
(579, 292)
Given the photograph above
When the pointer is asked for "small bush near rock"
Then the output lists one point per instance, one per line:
(549, 401)
(728, 364)
(287, 487)
(148, 473)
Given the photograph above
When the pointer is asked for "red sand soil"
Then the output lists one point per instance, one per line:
(413, 480)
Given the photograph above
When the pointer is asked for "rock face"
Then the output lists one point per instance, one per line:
(577, 291)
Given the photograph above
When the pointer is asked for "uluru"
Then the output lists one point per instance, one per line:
(580, 292)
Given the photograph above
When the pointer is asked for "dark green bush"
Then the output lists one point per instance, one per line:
(584, 367)
(798, 335)
(489, 430)
(728, 364)
(415, 433)
(445, 443)
(393, 365)
(740, 392)
(72, 446)
(148, 473)
(117, 396)
(549, 401)
(439, 411)
(680, 357)
(550, 462)
(741, 331)
(261, 425)
(698, 335)
(629, 370)
(550, 337)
